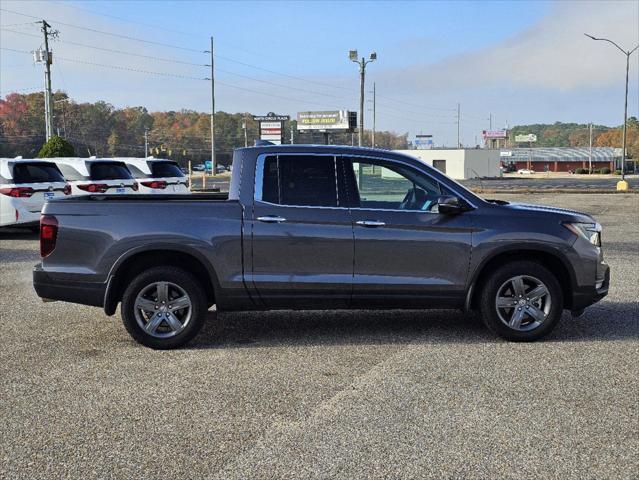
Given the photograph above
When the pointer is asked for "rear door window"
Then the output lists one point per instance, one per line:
(300, 180)
(165, 170)
(109, 171)
(36, 173)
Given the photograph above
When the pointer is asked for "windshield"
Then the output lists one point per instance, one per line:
(109, 171)
(36, 173)
(165, 170)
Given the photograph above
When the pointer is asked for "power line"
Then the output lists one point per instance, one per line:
(415, 105)
(117, 67)
(147, 25)
(19, 33)
(18, 24)
(278, 84)
(122, 52)
(102, 32)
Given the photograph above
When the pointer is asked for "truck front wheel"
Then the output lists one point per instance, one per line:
(521, 301)
(163, 307)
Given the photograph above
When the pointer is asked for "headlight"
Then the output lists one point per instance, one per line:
(589, 231)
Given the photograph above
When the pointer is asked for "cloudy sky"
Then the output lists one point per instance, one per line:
(521, 62)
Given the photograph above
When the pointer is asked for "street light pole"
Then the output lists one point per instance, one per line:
(213, 162)
(374, 119)
(625, 107)
(352, 55)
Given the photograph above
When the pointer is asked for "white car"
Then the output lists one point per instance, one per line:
(89, 176)
(156, 175)
(525, 171)
(24, 187)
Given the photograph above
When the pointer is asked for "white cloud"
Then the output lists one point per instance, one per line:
(553, 54)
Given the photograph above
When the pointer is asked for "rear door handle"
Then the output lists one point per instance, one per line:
(271, 219)
(370, 223)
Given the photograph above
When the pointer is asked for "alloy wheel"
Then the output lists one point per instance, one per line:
(163, 309)
(523, 302)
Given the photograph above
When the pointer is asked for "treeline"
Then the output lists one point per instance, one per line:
(578, 135)
(102, 130)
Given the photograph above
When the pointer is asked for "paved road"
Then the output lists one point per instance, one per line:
(323, 394)
(577, 182)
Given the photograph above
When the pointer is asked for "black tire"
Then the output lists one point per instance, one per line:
(179, 278)
(496, 280)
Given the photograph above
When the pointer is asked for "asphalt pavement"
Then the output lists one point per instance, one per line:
(573, 182)
(505, 184)
(398, 394)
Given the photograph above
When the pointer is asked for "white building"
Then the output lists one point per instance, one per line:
(460, 163)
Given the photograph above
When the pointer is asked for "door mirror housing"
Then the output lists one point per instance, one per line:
(449, 205)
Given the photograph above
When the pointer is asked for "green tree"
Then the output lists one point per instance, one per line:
(56, 147)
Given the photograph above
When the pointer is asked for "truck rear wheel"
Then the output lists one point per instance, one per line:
(521, 301)
(163, 307)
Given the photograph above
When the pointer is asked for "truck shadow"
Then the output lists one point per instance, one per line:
(7, 233)
(606, 321)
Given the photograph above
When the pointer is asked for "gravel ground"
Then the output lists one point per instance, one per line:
(324, 394)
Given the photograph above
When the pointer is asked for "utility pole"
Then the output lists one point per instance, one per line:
(244, 126)
(48, 102)
(352, 55)
(590, 154)
(146, 143)
(292, 132)
(213, 163)
(374, 97)
(490, 121)
(458, 120)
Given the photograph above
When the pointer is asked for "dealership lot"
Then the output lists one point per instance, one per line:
(598, 183)
(324, 394)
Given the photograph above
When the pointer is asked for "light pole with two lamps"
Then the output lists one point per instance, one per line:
(352, 55)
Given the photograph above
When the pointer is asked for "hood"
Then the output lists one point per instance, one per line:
(543, 210)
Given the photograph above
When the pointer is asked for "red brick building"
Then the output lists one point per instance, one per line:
(561, 159)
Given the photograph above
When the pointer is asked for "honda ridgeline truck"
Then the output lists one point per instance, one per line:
(313, 227)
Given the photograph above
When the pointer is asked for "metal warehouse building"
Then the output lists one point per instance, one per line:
(460, 163)
(561, 159)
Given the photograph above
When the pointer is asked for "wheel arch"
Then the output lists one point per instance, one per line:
(135, 261)
(553, 260)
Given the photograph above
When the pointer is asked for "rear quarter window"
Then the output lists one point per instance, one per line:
(165, 170)
(36, 173)
(136, 172)
(70, 173)
(109, 171)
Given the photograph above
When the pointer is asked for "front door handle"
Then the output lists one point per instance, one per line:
(271, 219)
(370, 223)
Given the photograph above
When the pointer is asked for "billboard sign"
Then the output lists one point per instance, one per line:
(270, 116)
(494, 134)
(423, 142)
(325, 121)
(506, 153)
(528, 137)
(271, 126)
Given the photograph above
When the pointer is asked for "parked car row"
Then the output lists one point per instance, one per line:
(26, 184)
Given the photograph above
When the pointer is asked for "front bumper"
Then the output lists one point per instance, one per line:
(585, 297)
(84, 293)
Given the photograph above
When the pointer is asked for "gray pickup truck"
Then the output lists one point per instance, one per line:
(316, 227)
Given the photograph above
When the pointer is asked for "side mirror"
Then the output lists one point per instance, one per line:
(449, 205)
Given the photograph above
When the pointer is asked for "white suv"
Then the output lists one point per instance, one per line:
(158, 176)
(24, 187)
(93, 176)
